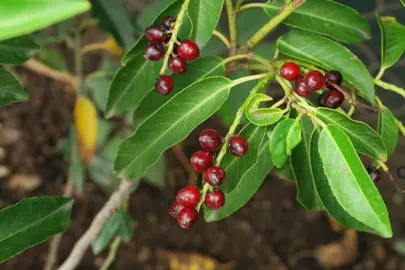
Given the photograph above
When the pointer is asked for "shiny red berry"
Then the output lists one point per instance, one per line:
(175, 209)
(314, 80)
(214, 176)
(178, 65)
(169, 22)
(188, 50)
(188, 196)
(187, 217)
(301, 88)
(215, 199)
(164, 84)
(375, 174)
(238, 146)
(155, 33)
(210, 140)
(331, 99)
(333, 76)
(290, 71)
(201, 160)
(154, 51)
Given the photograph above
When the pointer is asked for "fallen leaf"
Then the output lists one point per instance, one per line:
(194, 261)
(111, 45)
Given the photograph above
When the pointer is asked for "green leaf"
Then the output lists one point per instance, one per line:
(110, 228)
(388, 130)
(286, 172)
(170, 124)
(205, 16)
(126, 231)
(16, 51)
(10, 89)
(30, 222)
(392, 40)
(197, 70)
(156, 174)
(171, 10)
(130, 85)
(317, 50)
(348, 193)
(364, 138)
(114, 19)
(327, 18)
(247, 186)
(101, 173)
(99, 87)
(25, 16)
(53, 59)
(284, 138)
(249, 22)
(148, 14)
(236, 167)
(103, 131)
(110, 151)
(301, 166)
(264, 116)
(403, 2)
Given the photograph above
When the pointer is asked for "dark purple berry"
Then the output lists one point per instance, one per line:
(155, 33)
(188, 50)
(187, 217)
(178, 65)
(214, 176)
(175, 209)
(301, 88)
(375, 174)
(164, 84)
(290, 71)
(333, 76)
(238, 146)
(188, 196)
(210, 140)
(314, 80)
(154, 51)
(331, 99)
(401, 172)
(169, 22)
(201, 160)
(214, 199)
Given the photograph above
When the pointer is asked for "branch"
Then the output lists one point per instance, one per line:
(96, 226)
(232, 25)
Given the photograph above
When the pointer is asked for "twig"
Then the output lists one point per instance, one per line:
(112, 253)
(185, 162)
(222, 38)
(390, 87)
(97, 225)
(232, 25)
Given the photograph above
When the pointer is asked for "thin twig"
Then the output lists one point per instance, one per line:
(112, 253)
(232, 25)
(223, 38)
(185, 162)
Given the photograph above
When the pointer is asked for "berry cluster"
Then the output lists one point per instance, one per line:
(159, 37)
(202, 161)
(314, 81)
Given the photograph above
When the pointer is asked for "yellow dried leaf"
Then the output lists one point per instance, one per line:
(111, 45)
(85, 115)
(194, 261)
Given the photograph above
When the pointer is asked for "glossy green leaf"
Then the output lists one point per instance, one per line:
(247, 186)
(388, 130)
(170, 124)
(171, 10)
(357, 198)
(131, 84)
(392, 40)
(317, 50)
(16, 51)
(364, 138)
(284, 138)
(30, 222)
(148, 14)
(156, 174)
(205, 16)
(236, 167)
(197, 70)
(113, 18)
(262, 116)
(10, 89)
(327, 18)
(301, 166)
(25, 16)
(126, 231)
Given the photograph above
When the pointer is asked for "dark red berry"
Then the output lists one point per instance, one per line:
(333, 76)
(238, 146)
(178, 65)
(375, 174)
(301, 88)
(169, 22)
(155, 33)
(188, 196)
(215, 199)
(290, 71)
(210, 139)
(188, 50)
(187, 217)
(314, 80)
(401, 172)
(331, 99)
(154, 51)
(214, 176)
(201, 160)
(164, 84)
(175, 209)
